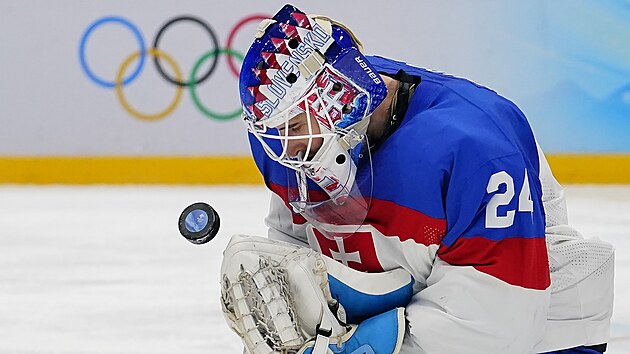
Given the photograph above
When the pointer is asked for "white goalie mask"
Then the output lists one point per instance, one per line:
(307, 95)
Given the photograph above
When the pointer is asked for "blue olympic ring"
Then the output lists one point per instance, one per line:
(136, 33)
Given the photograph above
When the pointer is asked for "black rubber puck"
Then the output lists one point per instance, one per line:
(199, 223)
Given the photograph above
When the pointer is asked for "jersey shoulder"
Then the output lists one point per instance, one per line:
(448, 115)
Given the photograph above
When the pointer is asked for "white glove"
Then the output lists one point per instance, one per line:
(277, 297)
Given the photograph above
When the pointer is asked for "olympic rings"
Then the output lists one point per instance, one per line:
(193, 92)
(215, 43)
(158, 55)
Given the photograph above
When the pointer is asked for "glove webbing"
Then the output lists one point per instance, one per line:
(258, 303)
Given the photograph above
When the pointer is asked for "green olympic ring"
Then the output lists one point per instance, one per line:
(193, 89)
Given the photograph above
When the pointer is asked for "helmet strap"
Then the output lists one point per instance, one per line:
(400, 103)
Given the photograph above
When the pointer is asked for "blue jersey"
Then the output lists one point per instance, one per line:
(458, 202)
(459, 175)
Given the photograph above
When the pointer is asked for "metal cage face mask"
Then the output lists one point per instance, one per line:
(334, 158)
(315, 122)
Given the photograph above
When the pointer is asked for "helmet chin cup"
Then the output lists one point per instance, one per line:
(335, 196)
(335, 174)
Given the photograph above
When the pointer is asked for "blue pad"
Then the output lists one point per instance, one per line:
(380, 334)
(364, 295)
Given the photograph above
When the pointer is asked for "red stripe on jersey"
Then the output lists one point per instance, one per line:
(392, 219)
(517, 261)
(389, 218)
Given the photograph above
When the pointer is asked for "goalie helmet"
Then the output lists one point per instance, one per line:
(307, 93)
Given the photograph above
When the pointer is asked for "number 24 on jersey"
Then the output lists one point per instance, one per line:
(525, 204)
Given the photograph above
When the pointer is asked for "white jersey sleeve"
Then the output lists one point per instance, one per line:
(582, 272)
(465, 311)
(280, 223)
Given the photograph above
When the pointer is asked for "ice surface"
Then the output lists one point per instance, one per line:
(102, 269)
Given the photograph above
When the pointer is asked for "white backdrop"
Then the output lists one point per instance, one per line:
(49, 106)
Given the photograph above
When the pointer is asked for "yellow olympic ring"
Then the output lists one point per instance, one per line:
(123, 101)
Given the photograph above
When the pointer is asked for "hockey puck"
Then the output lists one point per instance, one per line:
(199, 223)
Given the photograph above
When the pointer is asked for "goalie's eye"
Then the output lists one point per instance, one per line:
(293, 128)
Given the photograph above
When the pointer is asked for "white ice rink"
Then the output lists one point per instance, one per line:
(86, 270)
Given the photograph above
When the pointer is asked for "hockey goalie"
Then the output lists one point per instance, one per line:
(411, 212)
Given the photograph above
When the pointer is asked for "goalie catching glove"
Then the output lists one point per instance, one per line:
(283, 298)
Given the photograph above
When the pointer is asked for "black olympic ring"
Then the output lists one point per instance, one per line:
(215, 43)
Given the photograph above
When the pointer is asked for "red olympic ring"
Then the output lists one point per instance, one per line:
(228, 46)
